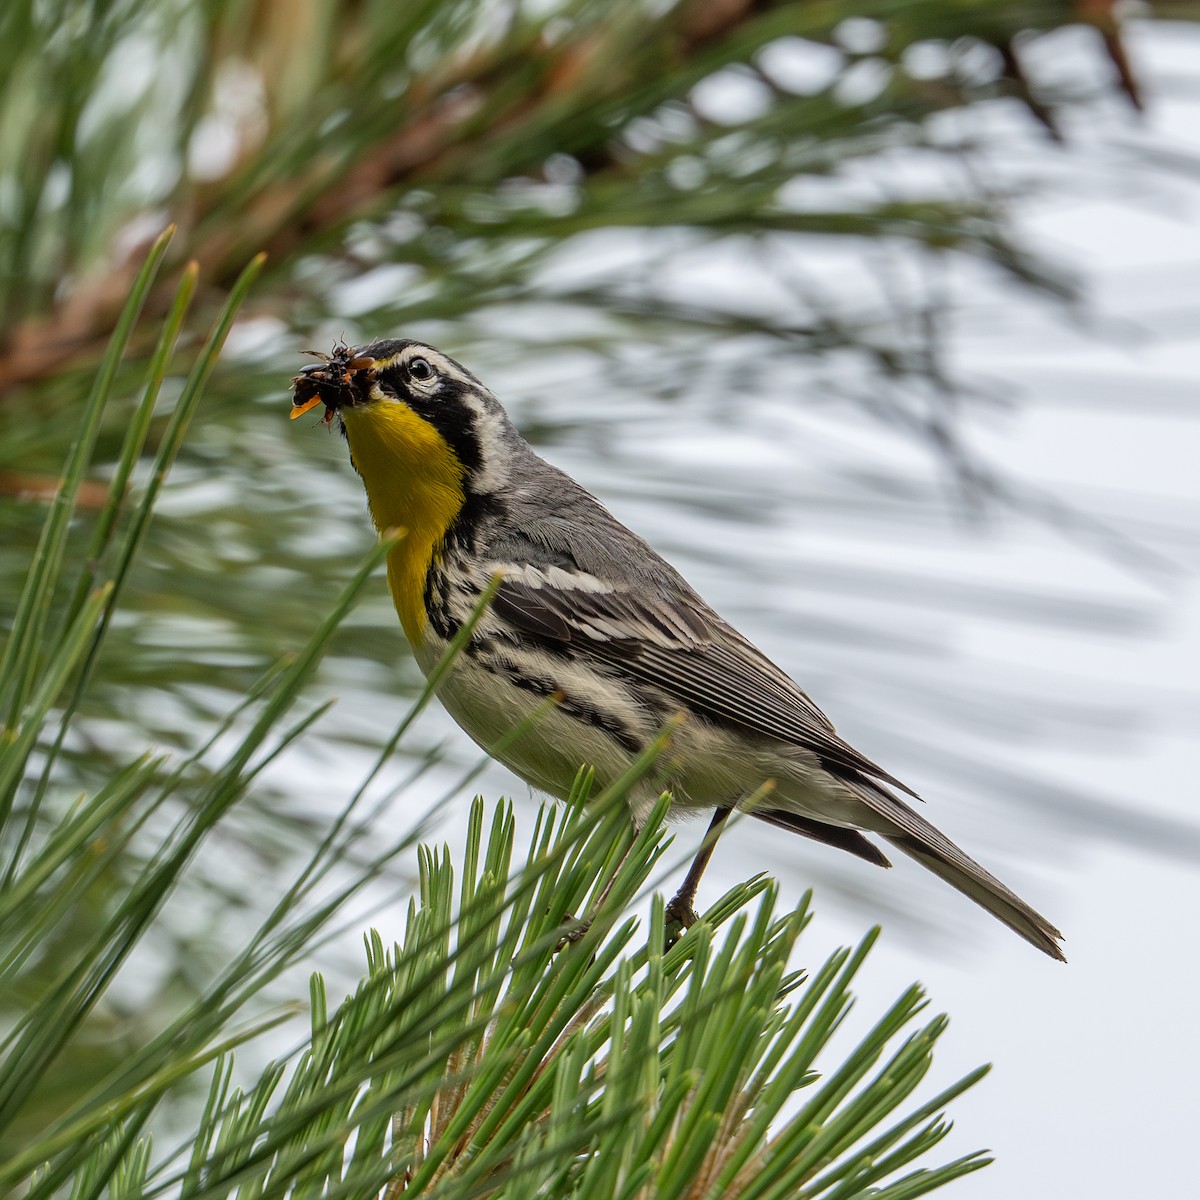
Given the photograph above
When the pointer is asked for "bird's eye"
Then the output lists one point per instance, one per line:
(420, 370)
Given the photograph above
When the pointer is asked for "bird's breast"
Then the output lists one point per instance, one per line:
(415, 489)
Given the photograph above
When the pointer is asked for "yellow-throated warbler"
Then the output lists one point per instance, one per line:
(589, 617)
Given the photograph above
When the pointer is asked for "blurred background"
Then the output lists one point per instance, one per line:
(881, 321)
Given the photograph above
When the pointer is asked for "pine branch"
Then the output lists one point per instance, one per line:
(364, 110)
(476, 1059)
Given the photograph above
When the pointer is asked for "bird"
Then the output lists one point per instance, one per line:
(591, 643)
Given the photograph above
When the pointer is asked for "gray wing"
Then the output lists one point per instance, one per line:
(653, 626)
(673, 641)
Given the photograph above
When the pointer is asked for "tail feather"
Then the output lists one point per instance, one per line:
(898, 823)
(946, 861)
(849, 840)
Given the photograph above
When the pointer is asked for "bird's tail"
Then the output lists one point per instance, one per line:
(946, 860)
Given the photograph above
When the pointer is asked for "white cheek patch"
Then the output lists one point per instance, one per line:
(493, 472)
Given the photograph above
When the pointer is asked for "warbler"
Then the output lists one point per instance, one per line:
(591, 643)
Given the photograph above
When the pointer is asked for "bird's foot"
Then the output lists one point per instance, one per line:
(574, 931)
(680, 917)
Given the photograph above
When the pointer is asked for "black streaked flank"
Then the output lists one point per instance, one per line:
(438, 590)
(542, 685)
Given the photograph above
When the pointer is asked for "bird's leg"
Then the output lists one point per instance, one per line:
(680, 913)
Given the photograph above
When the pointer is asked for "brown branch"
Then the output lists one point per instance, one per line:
(22, 485)
(439, 139)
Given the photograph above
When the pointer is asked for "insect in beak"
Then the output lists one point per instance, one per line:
(328, 382)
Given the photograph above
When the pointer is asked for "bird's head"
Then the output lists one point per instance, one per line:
(409, 410)
(433, 446)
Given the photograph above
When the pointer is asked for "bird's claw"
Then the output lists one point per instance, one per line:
(573, 934)
(680, 917)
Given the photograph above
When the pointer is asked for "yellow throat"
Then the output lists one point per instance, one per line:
(414, 483)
